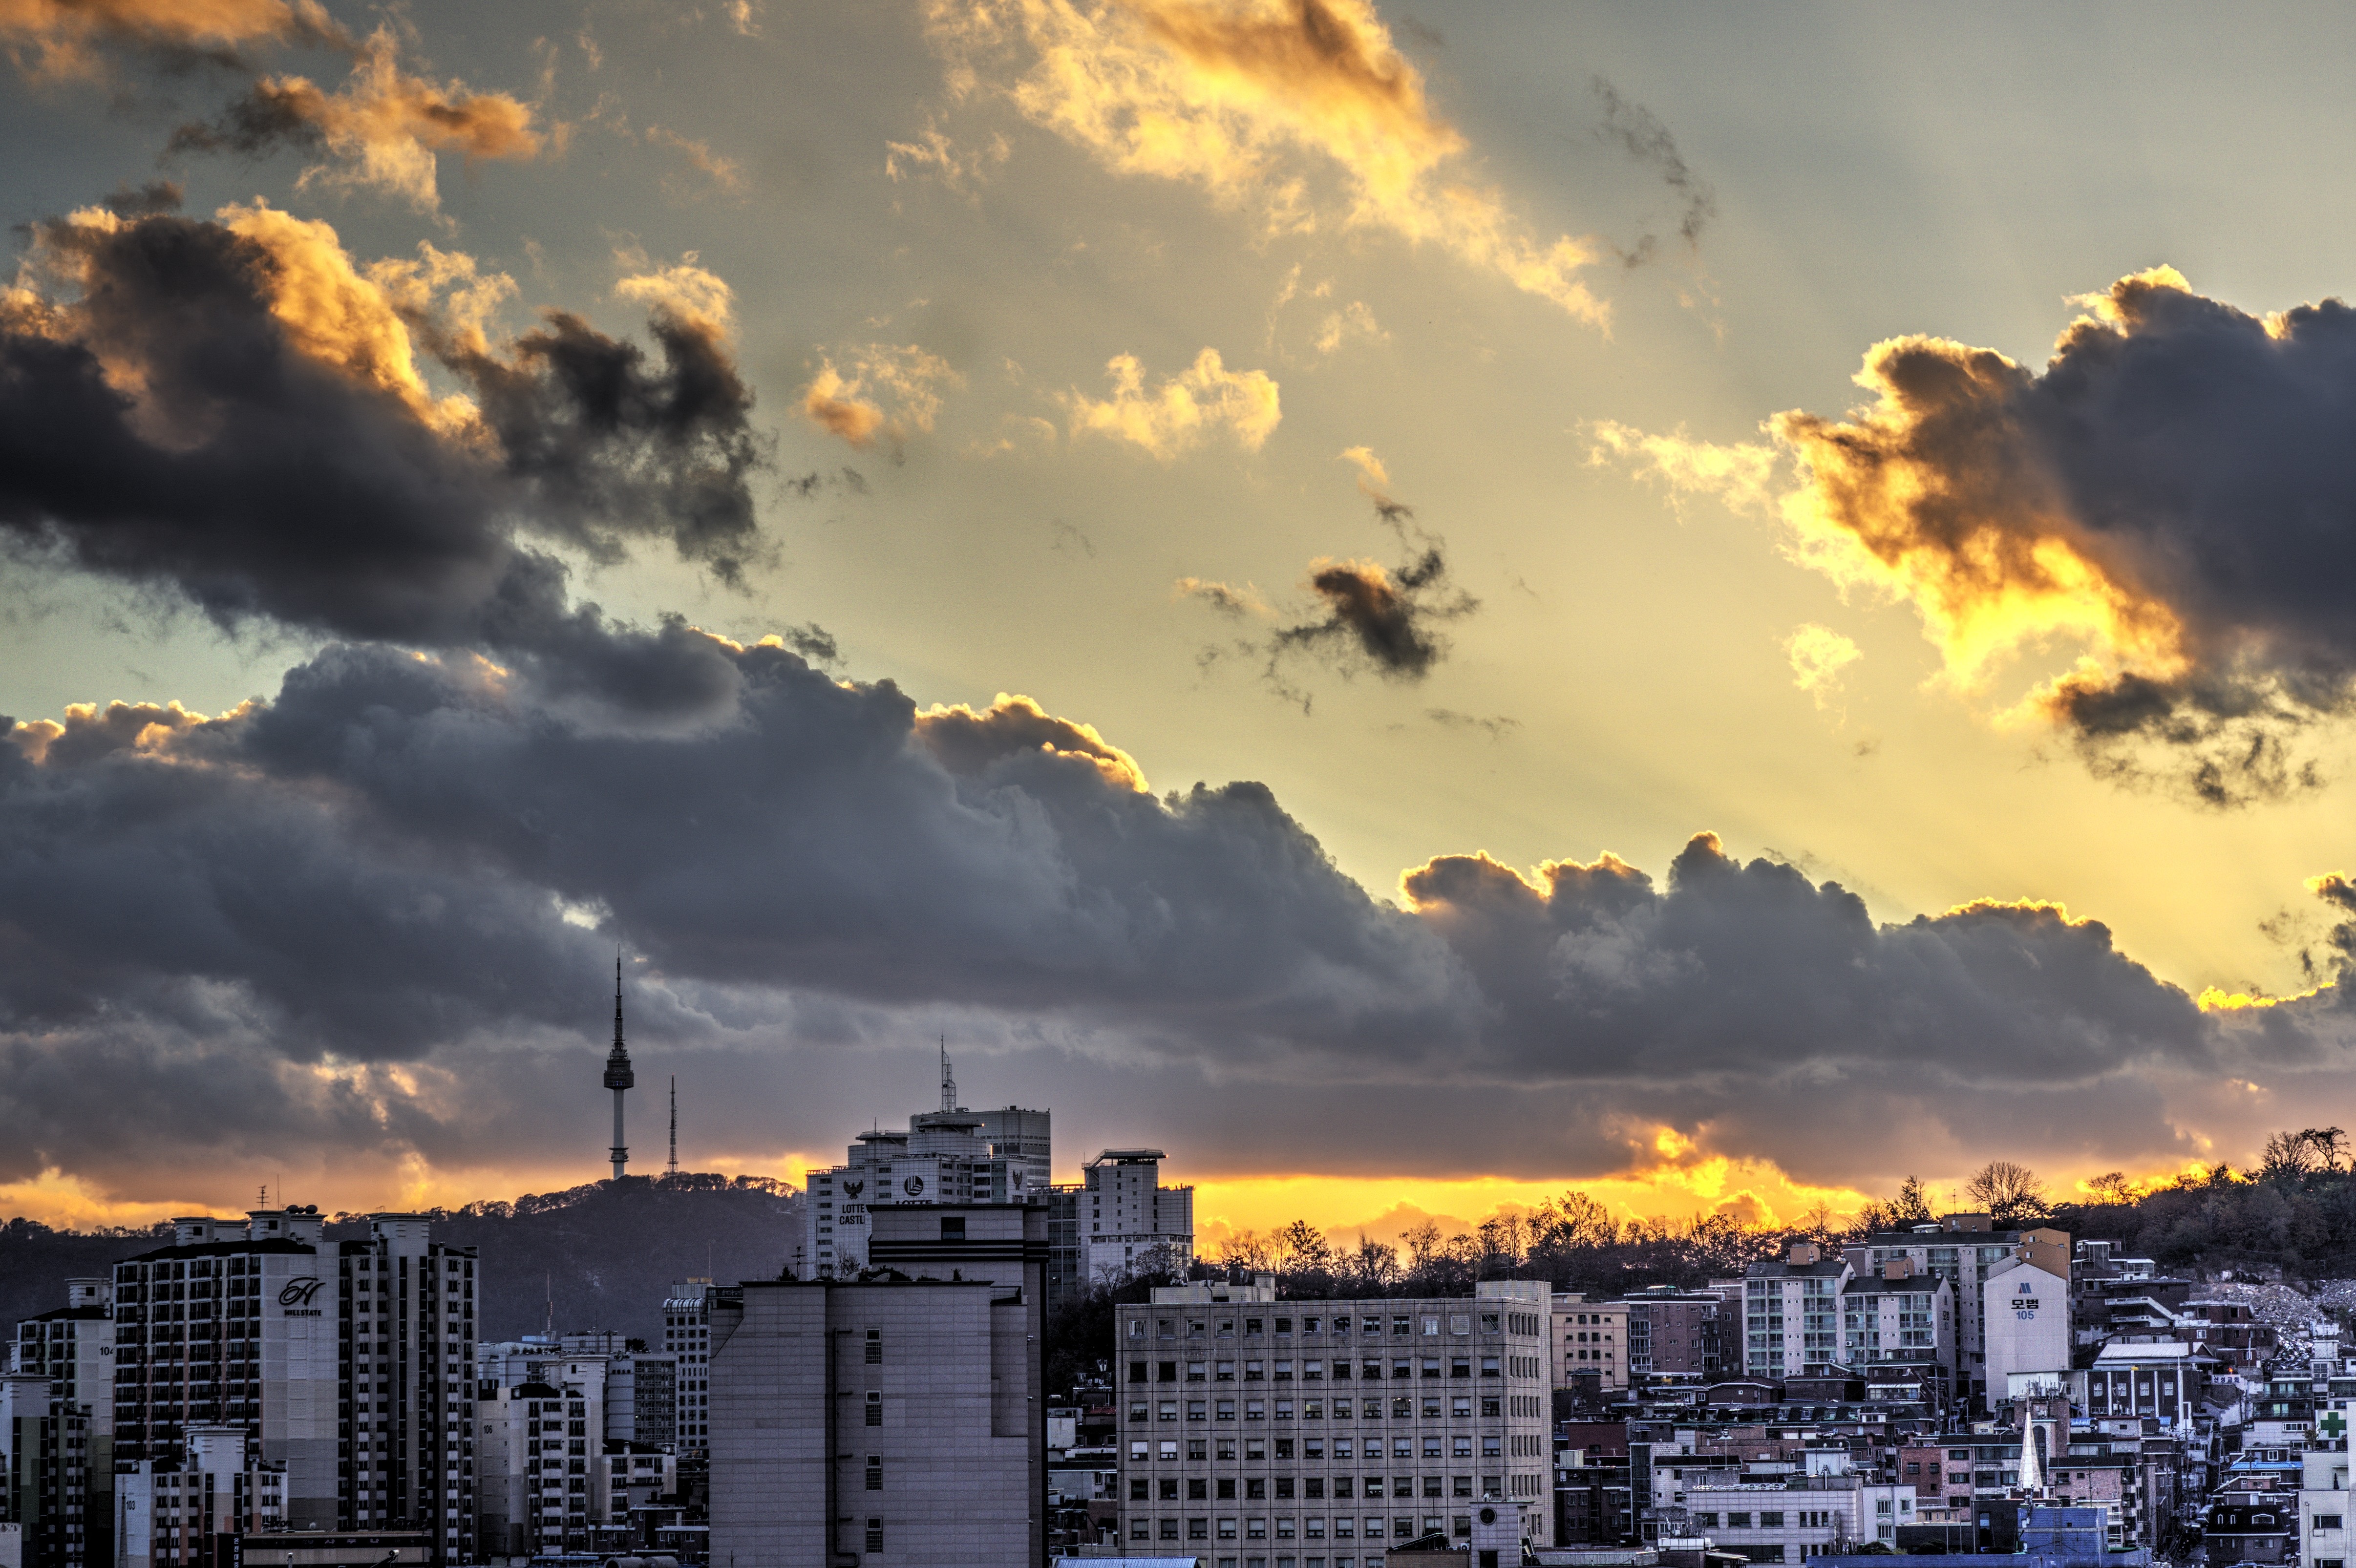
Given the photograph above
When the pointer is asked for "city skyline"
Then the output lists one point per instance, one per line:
(1418, 606)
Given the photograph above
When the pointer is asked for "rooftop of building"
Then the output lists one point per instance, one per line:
(2148, 1350)
(238, 1246)
(1129, 1158)
(69, 1314)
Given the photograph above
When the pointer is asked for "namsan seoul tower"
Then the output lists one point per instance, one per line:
(618, 1076)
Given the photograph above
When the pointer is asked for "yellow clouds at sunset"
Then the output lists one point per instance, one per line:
(57, 37)
(967, 742)
(891, 389)
(1180, 412)
(1818, 655)
(1257, 104)
(685, 288)
(383, 129)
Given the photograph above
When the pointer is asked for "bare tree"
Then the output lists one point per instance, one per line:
(2008, 1192)
(2111, 1187)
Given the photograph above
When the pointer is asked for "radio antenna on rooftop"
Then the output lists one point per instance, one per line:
(948, 1084)
(674, 1124)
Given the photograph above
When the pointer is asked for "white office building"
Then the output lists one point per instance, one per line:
(949, 1155)
(1325, 1431)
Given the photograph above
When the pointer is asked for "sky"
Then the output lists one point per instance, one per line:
(1419, 605)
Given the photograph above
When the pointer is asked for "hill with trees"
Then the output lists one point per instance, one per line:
(605, 1254)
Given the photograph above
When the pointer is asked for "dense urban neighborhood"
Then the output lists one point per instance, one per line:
(959, 1360)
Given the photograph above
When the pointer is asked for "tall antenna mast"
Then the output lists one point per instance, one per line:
(674, 1124)
(948, 1084)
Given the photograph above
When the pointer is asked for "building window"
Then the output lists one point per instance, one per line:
(875, 1410)
(875, 1474)
(875, 1535)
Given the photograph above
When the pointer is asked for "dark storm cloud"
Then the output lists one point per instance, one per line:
(1378, 617)
(2173, 486)
(282, 460)
(398, 861)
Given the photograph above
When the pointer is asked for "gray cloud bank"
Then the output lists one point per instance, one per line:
(390, 864)
(367, 918)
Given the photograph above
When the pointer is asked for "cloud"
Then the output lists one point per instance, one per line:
(1643, 137)
(960, 168)
(904, 377)
(231, 410)
(726, 175)
(59, 39)
(347, 918)
(1378, 618)
(1818, 655)
(1496, 727)
(1370, 467)
(384, 128)
(2159, 495)
(1182, 411)
(1353, 320)
(1300, 112)
(1224, 597)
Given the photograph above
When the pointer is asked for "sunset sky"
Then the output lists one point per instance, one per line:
(1417, 605)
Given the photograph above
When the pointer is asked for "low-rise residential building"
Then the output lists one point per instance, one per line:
(2164, 1380)
(2323, 1506)
(1257, 1427)
(1678, 1335)
(1590, 1342)
(1828, 1509)
(1898, 1325)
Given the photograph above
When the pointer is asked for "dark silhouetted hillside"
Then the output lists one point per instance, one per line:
(605, 1253)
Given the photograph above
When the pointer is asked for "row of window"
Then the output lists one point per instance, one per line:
(1370, 1527)
(1312, 1371)
(1141, 1412)
(1222, 1488)
(1199, 1449)
(1401, 1323)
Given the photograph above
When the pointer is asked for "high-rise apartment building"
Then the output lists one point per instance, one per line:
(895, 1421)
(46, 1476)
(72, 1349)
(347, 1365)
(1790, 1313)
(1266, 1433)
(686, 1340)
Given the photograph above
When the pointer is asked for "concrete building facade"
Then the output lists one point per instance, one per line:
(1964, 1248)
(1790, 1313)
(891, 1421)
(686, 1340)
(1589, 1340)
(1128, 1219)
(1677, 1334)
(1259, 1429)
(2026, 1310)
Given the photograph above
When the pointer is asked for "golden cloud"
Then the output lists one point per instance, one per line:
(1252, 102)
(967, 742)
(384, 127)
(60, 38)
(1818, 655)
(1182, 411)
(903, 375)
